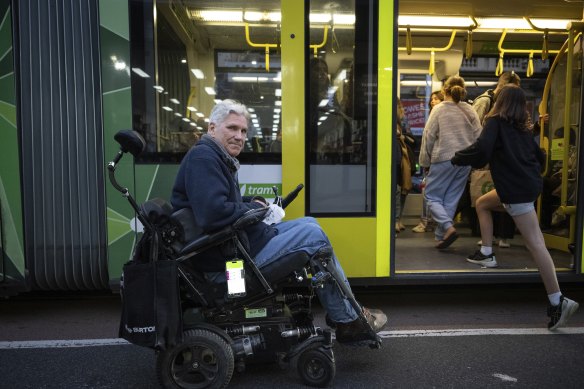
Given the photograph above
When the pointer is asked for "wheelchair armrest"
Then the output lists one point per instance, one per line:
(250, 217)
(208, 240)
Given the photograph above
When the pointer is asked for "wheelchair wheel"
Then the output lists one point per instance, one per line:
(203, 360)
(316, 368)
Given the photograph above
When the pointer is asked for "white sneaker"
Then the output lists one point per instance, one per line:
(419, 228)
(560, 313)
(504, 244)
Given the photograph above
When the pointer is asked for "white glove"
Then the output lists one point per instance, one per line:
(275, 214)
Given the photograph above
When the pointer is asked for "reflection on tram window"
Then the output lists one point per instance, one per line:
(186, 56)
(330, 126)
(242, 75)
(341, 107)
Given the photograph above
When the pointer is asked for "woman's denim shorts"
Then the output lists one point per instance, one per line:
(519, 208)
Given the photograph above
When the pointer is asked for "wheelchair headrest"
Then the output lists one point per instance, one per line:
(130, 141)
(156, 210)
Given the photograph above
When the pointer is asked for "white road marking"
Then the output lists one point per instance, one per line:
(62, 343)
(481, 332)
(505, 377)
(32, 344)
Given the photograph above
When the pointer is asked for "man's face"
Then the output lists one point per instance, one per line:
(231, 133)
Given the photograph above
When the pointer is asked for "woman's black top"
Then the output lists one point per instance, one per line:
(514, 158)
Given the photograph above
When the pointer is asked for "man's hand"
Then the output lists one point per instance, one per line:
(275, 215)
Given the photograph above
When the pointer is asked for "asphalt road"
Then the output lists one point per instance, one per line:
(437, 337)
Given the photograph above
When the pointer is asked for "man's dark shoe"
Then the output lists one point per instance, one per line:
(329, 322)
(356, 331)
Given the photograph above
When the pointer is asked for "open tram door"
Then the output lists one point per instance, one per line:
(480, 41)
(560, 218)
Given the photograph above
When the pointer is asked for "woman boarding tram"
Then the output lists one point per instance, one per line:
(507, 144)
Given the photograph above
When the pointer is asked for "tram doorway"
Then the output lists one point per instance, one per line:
(431, 48)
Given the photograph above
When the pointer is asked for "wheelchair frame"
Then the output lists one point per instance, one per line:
(222, 335)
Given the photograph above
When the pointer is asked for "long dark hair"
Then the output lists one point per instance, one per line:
(438, 94)
(511, 105)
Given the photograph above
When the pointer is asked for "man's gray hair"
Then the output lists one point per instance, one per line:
(225, 107)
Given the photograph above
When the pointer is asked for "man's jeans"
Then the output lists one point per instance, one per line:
(305, 234)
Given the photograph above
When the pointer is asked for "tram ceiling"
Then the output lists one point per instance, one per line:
(533, 28)
(554, 9)
(230, 34)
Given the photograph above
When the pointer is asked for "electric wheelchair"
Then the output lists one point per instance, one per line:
(216, 333)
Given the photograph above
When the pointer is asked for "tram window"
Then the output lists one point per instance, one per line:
(242, 75)
(183, 61)
(341, 108)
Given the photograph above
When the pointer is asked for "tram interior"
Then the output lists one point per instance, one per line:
(209, 50)
(516, 49)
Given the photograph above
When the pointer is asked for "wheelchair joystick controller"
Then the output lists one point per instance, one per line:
(277, 199)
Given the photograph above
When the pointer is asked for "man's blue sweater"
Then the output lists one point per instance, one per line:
(207, 184)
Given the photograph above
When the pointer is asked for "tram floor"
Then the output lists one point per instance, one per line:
(415, 253)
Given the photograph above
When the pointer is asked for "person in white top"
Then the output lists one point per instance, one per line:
(453, 125)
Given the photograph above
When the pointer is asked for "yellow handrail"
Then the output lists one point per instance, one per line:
(468, 51)
(502, 51)
(564, 207)
(192, 95)
(518, 51)
(267, 46)
(430, 49)
(499, 68)
(432, 67)
(545, 96)
(529, 71)
(567, 105)
(534, 27)
(321, 44)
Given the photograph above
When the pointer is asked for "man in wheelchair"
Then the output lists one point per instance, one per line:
(207, 184)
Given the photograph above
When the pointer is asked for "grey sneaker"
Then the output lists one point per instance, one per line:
(483, 260)
(356, 332)
(559, 314)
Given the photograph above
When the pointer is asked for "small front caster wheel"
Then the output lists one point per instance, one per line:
(316, 368)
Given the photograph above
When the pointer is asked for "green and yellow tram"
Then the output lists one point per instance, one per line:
(321, 79)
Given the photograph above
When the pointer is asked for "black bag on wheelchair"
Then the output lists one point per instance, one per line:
(151, 312)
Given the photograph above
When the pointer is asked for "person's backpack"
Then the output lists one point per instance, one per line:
(490, 95)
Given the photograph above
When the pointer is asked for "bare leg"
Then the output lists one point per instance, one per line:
(528, 225)
(485, 204)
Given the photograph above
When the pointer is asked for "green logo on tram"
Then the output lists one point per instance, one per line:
(264, 190)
